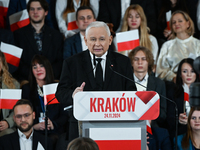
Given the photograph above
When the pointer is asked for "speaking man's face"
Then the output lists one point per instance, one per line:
(98, 40)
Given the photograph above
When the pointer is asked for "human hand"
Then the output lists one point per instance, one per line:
(183, 118)
(39, 126)
(78, 89)
(167, 33)
(3, 125)
(50, 125)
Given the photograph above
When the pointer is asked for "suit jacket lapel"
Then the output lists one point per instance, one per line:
(29, 35)
(151, 85)
(108, 72)
(77, 43)
(15, 141)
(87, 66)
(47, 38)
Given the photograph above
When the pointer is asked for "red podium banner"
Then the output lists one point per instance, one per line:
(107, 106)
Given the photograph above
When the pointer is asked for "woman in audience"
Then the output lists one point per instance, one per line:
(82, 143)
(162, 8)
(135, 18)
(183, 45)
(64, 7)
(190, 140)
(6, 82)
(186, 75)
(41, 74)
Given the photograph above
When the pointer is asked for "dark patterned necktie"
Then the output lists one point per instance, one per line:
(99, 75)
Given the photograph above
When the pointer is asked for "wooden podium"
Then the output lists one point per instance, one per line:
(116, 120)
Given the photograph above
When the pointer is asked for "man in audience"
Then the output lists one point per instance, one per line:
(25, 137)
(38, 38)
(93, 69)
(75, 44)
(113, 12)
(143, 63)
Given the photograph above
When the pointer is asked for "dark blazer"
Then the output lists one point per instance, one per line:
(72, 46)
(19, 5)
(155, 84)
(159, 140)
(78, 69)
(52, 49)
(110, 12)
(56, 112)
(170, 88)
(11, 141)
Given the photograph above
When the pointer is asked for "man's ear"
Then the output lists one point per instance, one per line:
(33, 115)
(85, 39)
(46, 12)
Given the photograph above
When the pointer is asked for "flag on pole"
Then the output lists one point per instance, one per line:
(19, 20)
(3, 12)
(168, 17)
(9, 97)
(127, 40)
(71, 18)
(148, 127)
(12, 53)
(186, 92)
(49, 91)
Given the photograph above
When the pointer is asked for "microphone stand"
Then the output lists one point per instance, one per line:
(46, 123)
(176, 108)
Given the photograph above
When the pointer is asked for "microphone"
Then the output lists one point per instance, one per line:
(176, 108)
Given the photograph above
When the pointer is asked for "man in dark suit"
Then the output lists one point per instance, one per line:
(112, 12)
(75, 44)
(24, 137)
(143, 63)
(85, 70)
(38, 38)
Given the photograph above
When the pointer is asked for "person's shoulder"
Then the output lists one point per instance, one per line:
(23, 29)
(79, 56)
(72, 38)
(51, 30)
(8, 137)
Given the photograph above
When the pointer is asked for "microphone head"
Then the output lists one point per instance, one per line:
(195, 94)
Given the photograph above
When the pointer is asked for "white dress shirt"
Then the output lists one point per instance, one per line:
(143, 82)
(172, 52)
(84, 46)
(103, 63)
(25, 144)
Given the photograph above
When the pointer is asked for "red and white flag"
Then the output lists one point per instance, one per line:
(186, 92)
(9, 97)
(148, 127)
(127, 40)
(49, 91)
(19, 20)
(3, 12)
(12, 53)
(168, 17)
(116, 138)
(71, 18)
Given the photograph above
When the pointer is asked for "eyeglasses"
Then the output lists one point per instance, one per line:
(27, 115)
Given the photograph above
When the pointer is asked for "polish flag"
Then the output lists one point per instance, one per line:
(19, 20)
(9, 97)
(148, 127)
(127, 40)
(168, 17)
(116, 138)
(71, 17)
(186, 92)
(3, 12)
(49, 91)
(12, 53)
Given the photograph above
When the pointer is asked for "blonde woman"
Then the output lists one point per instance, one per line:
(135, 18)
(6, 82)
(182, 45)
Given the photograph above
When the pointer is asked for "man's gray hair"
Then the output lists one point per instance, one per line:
(97, 24)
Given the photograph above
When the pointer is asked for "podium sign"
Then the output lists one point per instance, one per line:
(108, 106)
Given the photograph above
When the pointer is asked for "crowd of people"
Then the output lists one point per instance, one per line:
(86, 58)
